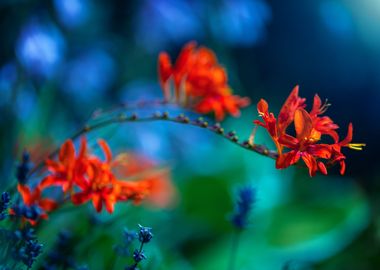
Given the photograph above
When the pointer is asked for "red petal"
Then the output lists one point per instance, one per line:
(110, 205)
(320, 150)
(288, 141)
(47, 182)
(322, 168)
(262, 107)
(26, 194)
(106, 150)
(316, 106)
(48, 204)
(52, 165)
(348, 138)
(97, 202)
(303, 124)
(165, 71)
(286, 115)
(83, 147)
(285, 160)
(342, 167)
(67, 153)
(184, 61)
(311, 163)
(80, 197)
(164, 66)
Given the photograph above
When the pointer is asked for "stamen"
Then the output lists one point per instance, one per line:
(356, 146)
(251, 139)
(325, 106)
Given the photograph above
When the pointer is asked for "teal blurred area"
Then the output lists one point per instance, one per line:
(63, 60)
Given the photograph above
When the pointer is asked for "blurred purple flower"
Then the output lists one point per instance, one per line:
(240, 22)
(73, 13)
(160, 22)
(40, 49)
(89, 75)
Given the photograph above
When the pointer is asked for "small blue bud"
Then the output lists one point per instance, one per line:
(138, 256)
(145, 234)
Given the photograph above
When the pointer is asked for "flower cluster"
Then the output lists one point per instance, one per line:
(83, 177)
(200, 83)
(25, 246)
(309, 128)
(246, 197)
(144, 236)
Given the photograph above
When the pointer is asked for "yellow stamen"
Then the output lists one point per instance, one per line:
(356, 146)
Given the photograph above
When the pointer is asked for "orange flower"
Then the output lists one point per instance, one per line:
(309, 128)
(100, 186)
(303, 146)
(69, 169)
(200, 83)
(89, 178)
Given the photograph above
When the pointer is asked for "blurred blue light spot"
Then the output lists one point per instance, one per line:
(40, 49)
(161, 21)
(336, 18)
(72, 13)
(241, 22)
(25, 102)
(89, 75)
(8, 78)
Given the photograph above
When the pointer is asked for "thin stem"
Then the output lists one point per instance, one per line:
(180, 119)
(234, 250)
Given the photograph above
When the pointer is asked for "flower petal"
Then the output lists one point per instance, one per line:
(348, 138)
(322, 168)
(303, 124)
(106, 150)
(311, 163)
(262, 107)
(67, 153)
(26, 194)
(48, 204)
(286, 115)
(285, 160)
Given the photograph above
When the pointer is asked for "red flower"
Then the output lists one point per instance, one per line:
(309, 129)
(200, 83)
(100, 186)
(87, 177)
(69, 169)
(304, 145)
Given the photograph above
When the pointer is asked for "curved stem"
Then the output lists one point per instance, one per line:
(180, 119)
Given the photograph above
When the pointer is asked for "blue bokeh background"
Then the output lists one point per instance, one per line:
(61, 60)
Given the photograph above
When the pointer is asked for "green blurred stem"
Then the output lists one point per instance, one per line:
(164, 116)
(234, 250)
